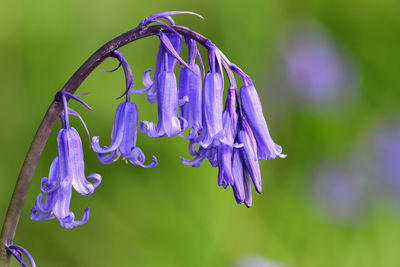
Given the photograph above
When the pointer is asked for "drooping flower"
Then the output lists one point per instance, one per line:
(66, 171)
(190, 87)
(124, 131)
(169, 124)
(241, 180)
(123, 139)
(213, 89)
(225, 149)
(152, 87)
(266, 147)
(249, 154)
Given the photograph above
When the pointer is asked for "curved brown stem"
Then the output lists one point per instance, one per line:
(50, 118)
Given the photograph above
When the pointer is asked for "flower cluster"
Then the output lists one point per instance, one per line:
(233, 137)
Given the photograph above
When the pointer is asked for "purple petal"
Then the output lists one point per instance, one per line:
(151, 129)
(225, 153)
(247, 189)
(210, 153)
(146, 78)
(69, 222)
(75, 163)
(109, 158)
(129, 131)
(195, 162)
(44, 211)
(249, 154)
(238, 179)
(116, 134)
(168, 122)
(50, 184)
(61, 207)
(190, 86)
(212, 108)
(137, 157)
(128, 145)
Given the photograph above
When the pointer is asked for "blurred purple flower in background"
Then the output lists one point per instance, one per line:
(316, 68)
(387, 155)
(368, 178)
(383, 146)
(338, 193)
(257, 262)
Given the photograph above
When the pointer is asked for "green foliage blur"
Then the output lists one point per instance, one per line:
(176, 215)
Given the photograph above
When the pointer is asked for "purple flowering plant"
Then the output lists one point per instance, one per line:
(233, 136)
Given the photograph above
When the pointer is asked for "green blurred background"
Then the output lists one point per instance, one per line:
(176, 215)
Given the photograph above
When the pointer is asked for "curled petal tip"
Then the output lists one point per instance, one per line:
(152, 164)
(146, 78)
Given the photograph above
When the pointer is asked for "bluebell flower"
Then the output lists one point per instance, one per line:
(169, 123)
(152, 86)
(213, 92)
(225, 149)
(249, 154)
(123, 139)
(241, 185)
(124, 131)
(66, 171)
(266, 147)
(241, 166)
(190, 87)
